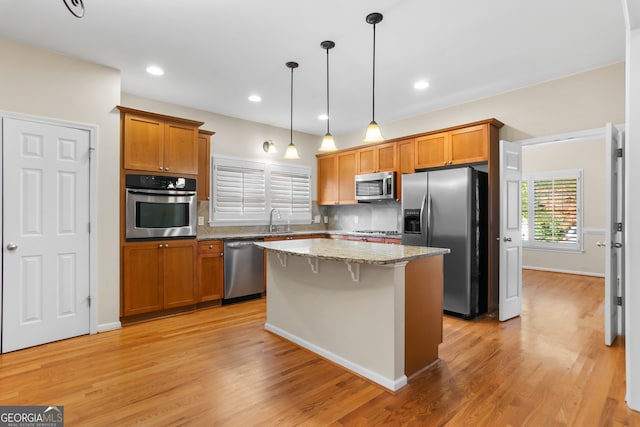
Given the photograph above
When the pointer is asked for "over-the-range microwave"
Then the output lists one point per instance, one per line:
(375, 186)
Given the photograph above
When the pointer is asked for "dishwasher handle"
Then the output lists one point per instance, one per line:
(240, 244)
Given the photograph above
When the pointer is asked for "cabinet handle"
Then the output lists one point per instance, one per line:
(166, 169)
(160, 245)
(160, 168)
(210, 246)
(221, 253)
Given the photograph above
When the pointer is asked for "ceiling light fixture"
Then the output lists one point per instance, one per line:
(155, 71)
(269, 147)
(421, 84)
(323, 117)
(328, 144)
(292, 152)
(373, 133)
(254, 98)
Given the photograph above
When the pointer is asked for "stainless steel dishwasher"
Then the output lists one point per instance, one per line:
(243, 270)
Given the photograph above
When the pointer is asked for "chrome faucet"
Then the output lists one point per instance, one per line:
(273, 227)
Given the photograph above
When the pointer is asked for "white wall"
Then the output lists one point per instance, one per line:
(41, 83)
(589, 156)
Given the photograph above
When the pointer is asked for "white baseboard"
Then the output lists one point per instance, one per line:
(387, 383)
(557, 270)
(103, 327)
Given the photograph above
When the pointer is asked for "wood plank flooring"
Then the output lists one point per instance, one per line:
(218, 367)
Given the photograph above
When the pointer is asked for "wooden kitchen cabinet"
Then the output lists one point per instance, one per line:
(454, 147)
(204, 163)
(157, 143)
(210, 270)
(336, 178)
(377, 158)
(158, 275)
(405, 152)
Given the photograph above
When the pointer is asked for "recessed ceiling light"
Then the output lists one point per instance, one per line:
(255, 98)
(156, 71)
(421, 84)
(323, 117)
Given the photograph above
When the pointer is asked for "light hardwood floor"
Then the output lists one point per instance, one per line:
(218, 367)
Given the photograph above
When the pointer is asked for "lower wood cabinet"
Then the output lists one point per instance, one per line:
(158, 275)
(210, 270)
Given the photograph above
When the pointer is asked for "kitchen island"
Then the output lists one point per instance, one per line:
(375, 309)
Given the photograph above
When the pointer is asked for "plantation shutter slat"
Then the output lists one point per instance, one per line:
(239, 190)
(555, 210)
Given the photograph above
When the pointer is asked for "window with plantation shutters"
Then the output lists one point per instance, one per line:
(551, 210)
(244, 192)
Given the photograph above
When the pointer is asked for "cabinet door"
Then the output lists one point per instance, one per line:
(180, 148)
(346, 177)
(143, 141)
(204, 158)
(327, 180)
(142, 278)
(406, 162)
(386, 157)
(366, 159)
(469, 145)
(432, 151)
(210, 270)
(179, 262)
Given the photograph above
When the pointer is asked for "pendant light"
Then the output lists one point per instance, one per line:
(328, 144)
(373, 133)
(291, 153)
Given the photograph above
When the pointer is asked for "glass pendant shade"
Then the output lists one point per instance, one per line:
(328, 144)
(291, 153)
(373, 133)
(269, 147)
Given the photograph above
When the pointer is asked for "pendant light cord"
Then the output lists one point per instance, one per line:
(328, 90)
(373, 91)
(291, 122)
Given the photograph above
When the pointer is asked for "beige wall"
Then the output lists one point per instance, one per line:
(42, 83)
(237, 137)
(588, 156)
(582, 101)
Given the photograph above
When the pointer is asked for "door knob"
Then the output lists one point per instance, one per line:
(507, 239)
(12, 246)
(600, 244)
(617, 245)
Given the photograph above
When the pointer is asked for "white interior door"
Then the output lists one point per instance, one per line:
(510, 231)
(45, 274)
(613, 241)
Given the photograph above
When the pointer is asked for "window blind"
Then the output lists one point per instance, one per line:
(291, 193)
(239, 191)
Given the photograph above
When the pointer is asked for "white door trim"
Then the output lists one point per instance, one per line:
(93, 203)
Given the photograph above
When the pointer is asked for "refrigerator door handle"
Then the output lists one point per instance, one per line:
(429, 222)
(423, 230)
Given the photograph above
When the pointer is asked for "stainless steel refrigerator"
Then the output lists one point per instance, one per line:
(448, 209)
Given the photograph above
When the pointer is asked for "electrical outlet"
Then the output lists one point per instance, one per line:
(316, 219)
(355, 219)
(200, 220)
(326, 219)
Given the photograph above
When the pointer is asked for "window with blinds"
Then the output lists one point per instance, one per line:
(551, 210)
(244, 192)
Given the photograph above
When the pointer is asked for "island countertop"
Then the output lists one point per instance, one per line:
(351, 251)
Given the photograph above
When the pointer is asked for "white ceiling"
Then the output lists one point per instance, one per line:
(216, 53)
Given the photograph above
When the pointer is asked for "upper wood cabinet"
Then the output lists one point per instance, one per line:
(157, 143)
(405, 152)
(377, 158)
(204, 163)
(336, 178)
(454, 147)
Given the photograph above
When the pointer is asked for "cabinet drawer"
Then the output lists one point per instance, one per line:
(210, 246)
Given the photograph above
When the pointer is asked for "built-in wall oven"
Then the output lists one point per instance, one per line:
(160, 207)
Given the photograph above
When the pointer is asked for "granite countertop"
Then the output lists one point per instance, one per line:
(262, 235)
(351, 251)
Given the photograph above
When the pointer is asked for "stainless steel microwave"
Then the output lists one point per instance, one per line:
(375, 186)
(160, 207)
